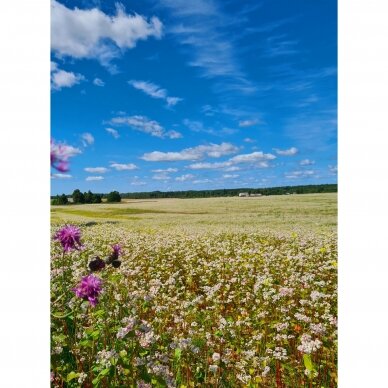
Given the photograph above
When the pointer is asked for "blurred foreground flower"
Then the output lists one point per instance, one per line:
(59, 155)
(89, 289)
(96, 264)
(69, 236)
(114, 257)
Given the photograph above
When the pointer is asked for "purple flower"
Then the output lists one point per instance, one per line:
(69, 236)
(114, 256)
(89, 289)
(59, 156)
(116, 251)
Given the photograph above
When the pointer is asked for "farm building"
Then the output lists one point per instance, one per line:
(243, 194)
(256, 195)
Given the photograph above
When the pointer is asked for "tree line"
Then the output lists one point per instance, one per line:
(306, 189)
(80, 198)
(115, 196)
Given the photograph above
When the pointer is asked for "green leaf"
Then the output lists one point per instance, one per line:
(307, 362)
(71, 376)
(60, 315)
(177, 354)
(105, 371)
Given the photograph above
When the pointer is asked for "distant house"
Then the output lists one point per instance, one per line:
(243, 194)
(256, 195)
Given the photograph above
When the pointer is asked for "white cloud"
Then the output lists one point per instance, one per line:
(94, 178)
(202, 181)
(208, 166)
(186, 177)
(113, 132)
(61, 176)
(123, 167)
(144, 124)
(290, 152)
(154, 91)
(248, 123)
(194, 153)
(172, 101)
(253, 157)
(165, 170)
(300, 174)
(257, 159)
(63, 79)
(230, 176)
(64, 151)
(173, 134)
(96, 170)
(249, 140)
(333, 169)
(87, 139)
(90, 33)
(306, 162)
(232, 168)
(138, 183)
(161, 177)
(98, 82)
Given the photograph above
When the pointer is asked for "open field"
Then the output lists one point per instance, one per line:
(220, 292)
(287, 212)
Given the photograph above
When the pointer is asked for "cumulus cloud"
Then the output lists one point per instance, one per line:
(248, 123)
(290, 152)
(185, 177)
(165, 170)
(96, 170)
(94, 178)
(61, 176)
(113, 132)
(90, 33)
(194, 153)
(197, 181)
(333, 169)
(144, 124)
(63, 79)
(87, 139)
(124, 167)
(161, 177)
(306, 162)
(154, 91)
(257, 159)
(98, 82)
(138, 183)
(257, 156)
(300, 174)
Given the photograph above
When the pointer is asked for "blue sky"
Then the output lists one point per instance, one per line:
(177, 95)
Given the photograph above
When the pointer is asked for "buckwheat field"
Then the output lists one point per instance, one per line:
(221, 292)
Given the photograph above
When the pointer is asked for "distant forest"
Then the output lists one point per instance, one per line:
(328, 188)
(307, 189)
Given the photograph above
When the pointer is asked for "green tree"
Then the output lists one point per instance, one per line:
(88, 197)
(60, 200)
(113, 196)
(78, 197)
(97, 198)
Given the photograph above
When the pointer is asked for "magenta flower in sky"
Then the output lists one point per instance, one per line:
(59, 155)
(69, 236)
(89, 289)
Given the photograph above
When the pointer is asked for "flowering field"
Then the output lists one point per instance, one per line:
(199, 308)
